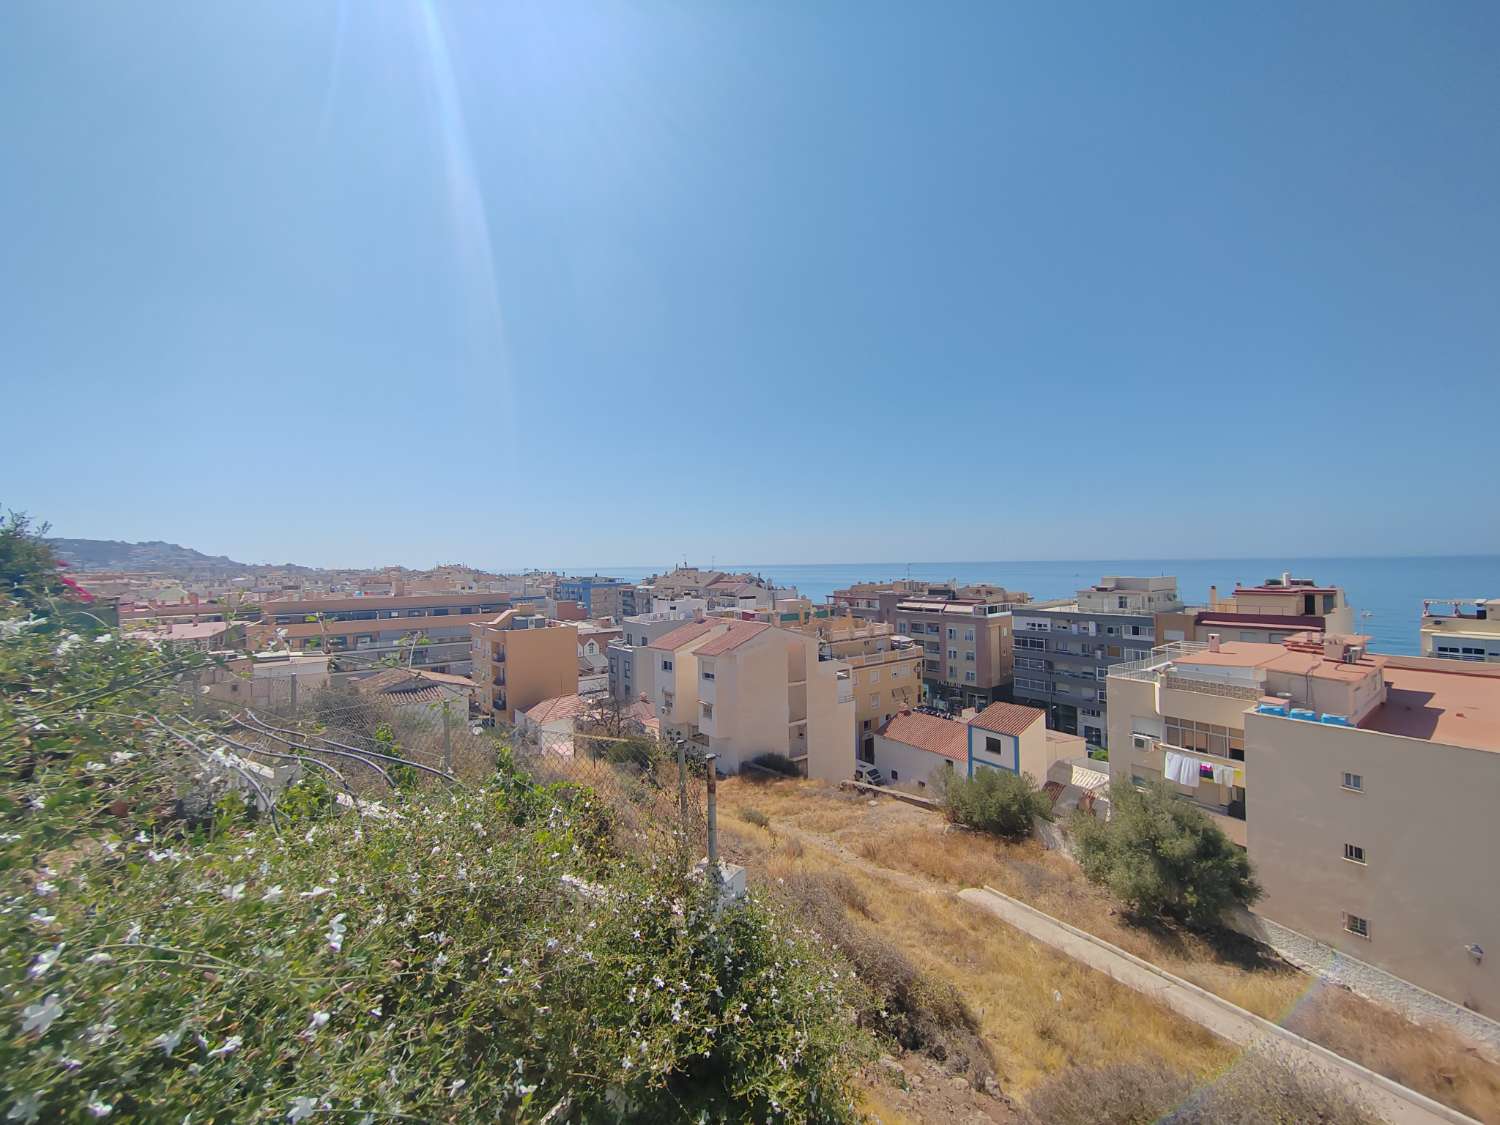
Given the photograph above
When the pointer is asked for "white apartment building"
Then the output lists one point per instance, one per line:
(640, 630)
(1462, 630)
(739, 689)
(1363, 786)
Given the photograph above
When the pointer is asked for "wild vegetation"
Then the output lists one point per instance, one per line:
(469, 951)
(1163, 858)
(995, 801)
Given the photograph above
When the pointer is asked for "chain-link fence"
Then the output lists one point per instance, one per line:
(366, 747)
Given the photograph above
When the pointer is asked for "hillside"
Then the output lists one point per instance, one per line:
(155, 555)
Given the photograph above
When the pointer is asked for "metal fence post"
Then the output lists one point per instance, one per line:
(447, 740)
(682, 780)
(713, 816)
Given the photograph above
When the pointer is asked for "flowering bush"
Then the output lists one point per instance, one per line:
(477, 954)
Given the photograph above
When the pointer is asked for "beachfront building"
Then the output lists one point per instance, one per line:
(1063, 651)
(1268, 613)
(1462, 630)
(1363, 787)
(638, 631)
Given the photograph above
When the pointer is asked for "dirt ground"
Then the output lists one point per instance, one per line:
(1040, 1012)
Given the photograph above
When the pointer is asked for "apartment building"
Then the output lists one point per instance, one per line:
(379, 626)
(913, 745)
(1363, 787)
(1268, 613)
(599, 596)
(966, 645)
(739, 689)
(1063, 651)
(875, 601)
(885, 670)
(1461, 630)
(197, 636)
(520, 659)
(638, 631)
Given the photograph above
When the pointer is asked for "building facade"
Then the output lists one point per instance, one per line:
(599, 596)
(519, 660)
(1362, 786)
(1460, 630)
(375, 627)
(1268, 613)
(966, 647)
(635, 633)
(739, 689)
(885, 670)
(1063, 652)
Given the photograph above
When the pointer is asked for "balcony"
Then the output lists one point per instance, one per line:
(499, 678)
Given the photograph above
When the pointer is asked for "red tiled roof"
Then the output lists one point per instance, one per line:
(945, 737)
(737, 634)
(558, 707)
(1007, 718)
(683, 634)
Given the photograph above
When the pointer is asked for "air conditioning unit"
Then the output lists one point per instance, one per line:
(1140, 741)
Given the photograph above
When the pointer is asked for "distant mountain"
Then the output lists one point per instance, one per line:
(168, 558)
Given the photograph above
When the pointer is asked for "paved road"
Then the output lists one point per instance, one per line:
(1397, 1104)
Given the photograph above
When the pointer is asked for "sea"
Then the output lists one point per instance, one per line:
(1385, 593)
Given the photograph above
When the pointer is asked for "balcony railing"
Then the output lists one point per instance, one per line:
(1161, 656)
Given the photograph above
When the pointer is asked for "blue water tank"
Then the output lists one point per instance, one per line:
(1304, 714)
(1270, 709)
(1337, 720)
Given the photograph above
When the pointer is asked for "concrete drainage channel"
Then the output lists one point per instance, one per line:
(1393, 1101)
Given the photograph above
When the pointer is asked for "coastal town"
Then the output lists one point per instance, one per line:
(1264, 709)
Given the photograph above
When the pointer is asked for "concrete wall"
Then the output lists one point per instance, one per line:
(1425, 818)
(908, 767)
(539, 664)
(830, 724)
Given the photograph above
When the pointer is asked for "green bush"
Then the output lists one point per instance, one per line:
(1164, 858)
(995, 801)
(475, 955)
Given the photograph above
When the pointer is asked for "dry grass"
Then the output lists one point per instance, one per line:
(901, 838)
(1010, 985)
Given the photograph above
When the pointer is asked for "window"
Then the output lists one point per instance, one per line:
(993, 746)
(707, 675)
(969, 656)
(875, 700)
(953, 654)
(1359, 927)
(708, 710)
(895, 776)
(865, 725)
(1120, 603)
(968, 634)
(1031, 642)
(666, 665)
(952, 633)
(969, 677)
(1354, 782)
(1354, 853)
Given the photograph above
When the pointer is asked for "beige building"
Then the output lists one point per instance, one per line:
(1459, 630)
(521, 659)
(885, 670)
(739, 689)
(1363, 786)
(1268, 613)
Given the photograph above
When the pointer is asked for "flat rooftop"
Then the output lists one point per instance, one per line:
(1459, 707)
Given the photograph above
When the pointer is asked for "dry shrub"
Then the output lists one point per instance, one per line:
(1432, 1060)
(1257, 1090)
(918, 1012)
(752, 815)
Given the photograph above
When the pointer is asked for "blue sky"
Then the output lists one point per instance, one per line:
(788, 282)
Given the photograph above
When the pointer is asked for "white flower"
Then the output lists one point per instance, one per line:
(456, 1085)
(301, 1108)
(228, 1047)
(140, 837)
(38, 802)
(98, 1106)
(336, 933)
(119, 758)
(133, 935)
(95, 767)
(39, 1017)
(68, 644)
(26, 1109)
(41, 918)
(67, 1062)
(273, 894)
(44, 962)
(234, 893)
(99, 1032)
(319, 1020)
(168, 1041)
(316, 892)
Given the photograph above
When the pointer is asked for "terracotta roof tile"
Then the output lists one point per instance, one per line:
(1007, 718)
(945, 737)
(737, 634)
(683, 634)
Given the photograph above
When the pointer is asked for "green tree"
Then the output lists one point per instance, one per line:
(28, 568)
(995, 801)
(1164, 858)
